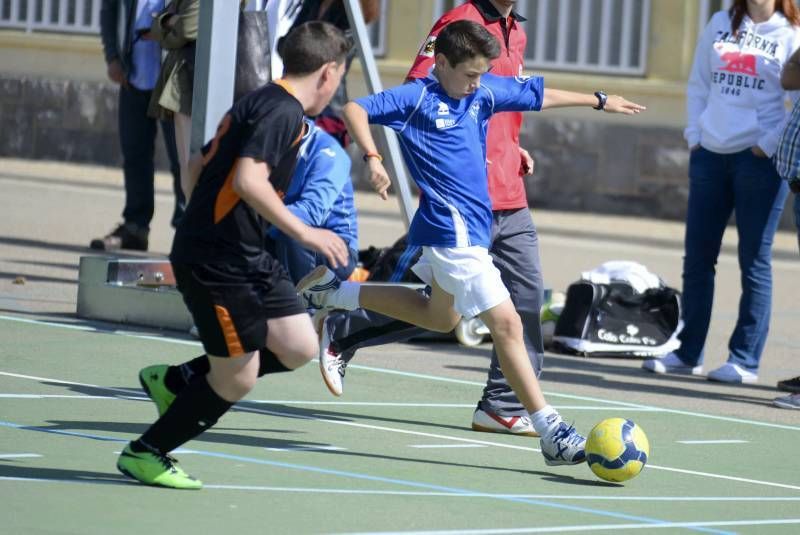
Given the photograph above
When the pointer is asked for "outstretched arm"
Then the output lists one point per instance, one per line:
(558, 98)
(357, 121)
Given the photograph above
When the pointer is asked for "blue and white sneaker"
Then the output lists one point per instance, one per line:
(316, 287)
(562, 444)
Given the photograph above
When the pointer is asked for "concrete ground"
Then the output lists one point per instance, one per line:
(50, 212)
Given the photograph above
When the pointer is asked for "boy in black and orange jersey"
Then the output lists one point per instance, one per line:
(243, 303)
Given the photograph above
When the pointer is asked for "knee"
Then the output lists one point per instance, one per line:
(300, 353)
(443, 323)
(508, 327)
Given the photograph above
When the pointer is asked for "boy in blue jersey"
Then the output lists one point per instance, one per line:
(320, 195)
(441, 121)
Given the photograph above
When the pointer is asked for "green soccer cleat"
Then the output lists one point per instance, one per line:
(152, 381)
(153, 469)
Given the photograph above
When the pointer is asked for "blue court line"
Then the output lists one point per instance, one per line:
(367, 477)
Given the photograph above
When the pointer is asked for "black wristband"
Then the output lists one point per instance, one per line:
(601, 100)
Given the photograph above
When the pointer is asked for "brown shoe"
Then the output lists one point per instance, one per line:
(125, 236)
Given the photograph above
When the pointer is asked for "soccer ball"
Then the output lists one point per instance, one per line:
(617, 449)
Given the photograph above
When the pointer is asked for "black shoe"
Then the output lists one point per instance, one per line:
(790, 385)
(125, 236)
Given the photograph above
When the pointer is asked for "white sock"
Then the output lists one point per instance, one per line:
(544, 419)
(346, 297)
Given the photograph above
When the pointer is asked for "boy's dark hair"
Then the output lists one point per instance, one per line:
(464, 40)
(310, 46)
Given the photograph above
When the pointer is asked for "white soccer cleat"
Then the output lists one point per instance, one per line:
(562, 444)
(317, 286)
(331, 364)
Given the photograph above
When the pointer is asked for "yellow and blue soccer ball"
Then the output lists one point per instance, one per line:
(617, 449)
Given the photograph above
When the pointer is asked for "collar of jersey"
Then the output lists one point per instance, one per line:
(490, 13)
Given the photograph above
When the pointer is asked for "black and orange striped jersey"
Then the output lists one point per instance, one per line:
(218, 227)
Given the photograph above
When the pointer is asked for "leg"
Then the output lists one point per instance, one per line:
(760, 196)
(710, 207)
(434, 313)
(171, 144)
(560, 443)
(137, 134)
(515, 252)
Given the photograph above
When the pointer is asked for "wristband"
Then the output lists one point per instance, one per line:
(369, 155)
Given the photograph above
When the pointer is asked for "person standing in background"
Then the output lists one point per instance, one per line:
(736, 112)
(134, 63)
(787, 163)
(175, 30)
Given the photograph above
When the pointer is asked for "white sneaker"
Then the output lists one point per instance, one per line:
(732, 373)
(792, 401)
(331, 364)
(562, 444)
(316, 287)
(670, 363)
(489, 422)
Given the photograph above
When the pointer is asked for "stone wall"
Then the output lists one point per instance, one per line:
(586, 166)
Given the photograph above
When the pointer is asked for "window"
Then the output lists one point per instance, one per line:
(73, 16)
(602, 36)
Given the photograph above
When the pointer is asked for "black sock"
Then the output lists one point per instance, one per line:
(178, 377)
(196, 409)
(269, 363)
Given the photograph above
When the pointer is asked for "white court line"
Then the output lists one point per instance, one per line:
(67, 396)
(308, 448)
(712, 441)
(303, 402)
(446, 446)
(18, 455)
(588, 527)
(434, 494)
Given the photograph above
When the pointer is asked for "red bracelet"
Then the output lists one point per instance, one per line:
(369, 155)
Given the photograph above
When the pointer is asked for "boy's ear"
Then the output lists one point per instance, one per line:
(440, 61)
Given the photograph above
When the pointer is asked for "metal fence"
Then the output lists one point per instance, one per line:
(83, 16)
(70, 16)
(599, 36)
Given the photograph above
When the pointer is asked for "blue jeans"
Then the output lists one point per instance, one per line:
(299, 262)
(721, 184)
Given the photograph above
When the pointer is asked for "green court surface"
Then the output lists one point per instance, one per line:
(392, 455)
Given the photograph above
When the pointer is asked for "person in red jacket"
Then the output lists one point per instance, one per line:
(515, 242)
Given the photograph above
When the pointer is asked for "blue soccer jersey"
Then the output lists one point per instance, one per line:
(444, 143)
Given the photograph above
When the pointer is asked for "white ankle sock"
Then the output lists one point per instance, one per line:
(347, 295)
(544, 419)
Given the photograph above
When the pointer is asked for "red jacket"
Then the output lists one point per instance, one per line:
(506, 187)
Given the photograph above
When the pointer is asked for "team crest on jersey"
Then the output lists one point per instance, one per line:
(427, 48)
(473, 110)
(444, 109)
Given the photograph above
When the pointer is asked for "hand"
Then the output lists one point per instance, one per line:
(757, 152)
(329, 244)
(115, 73)
(526, 164)
(378, 178)
(617, 104)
